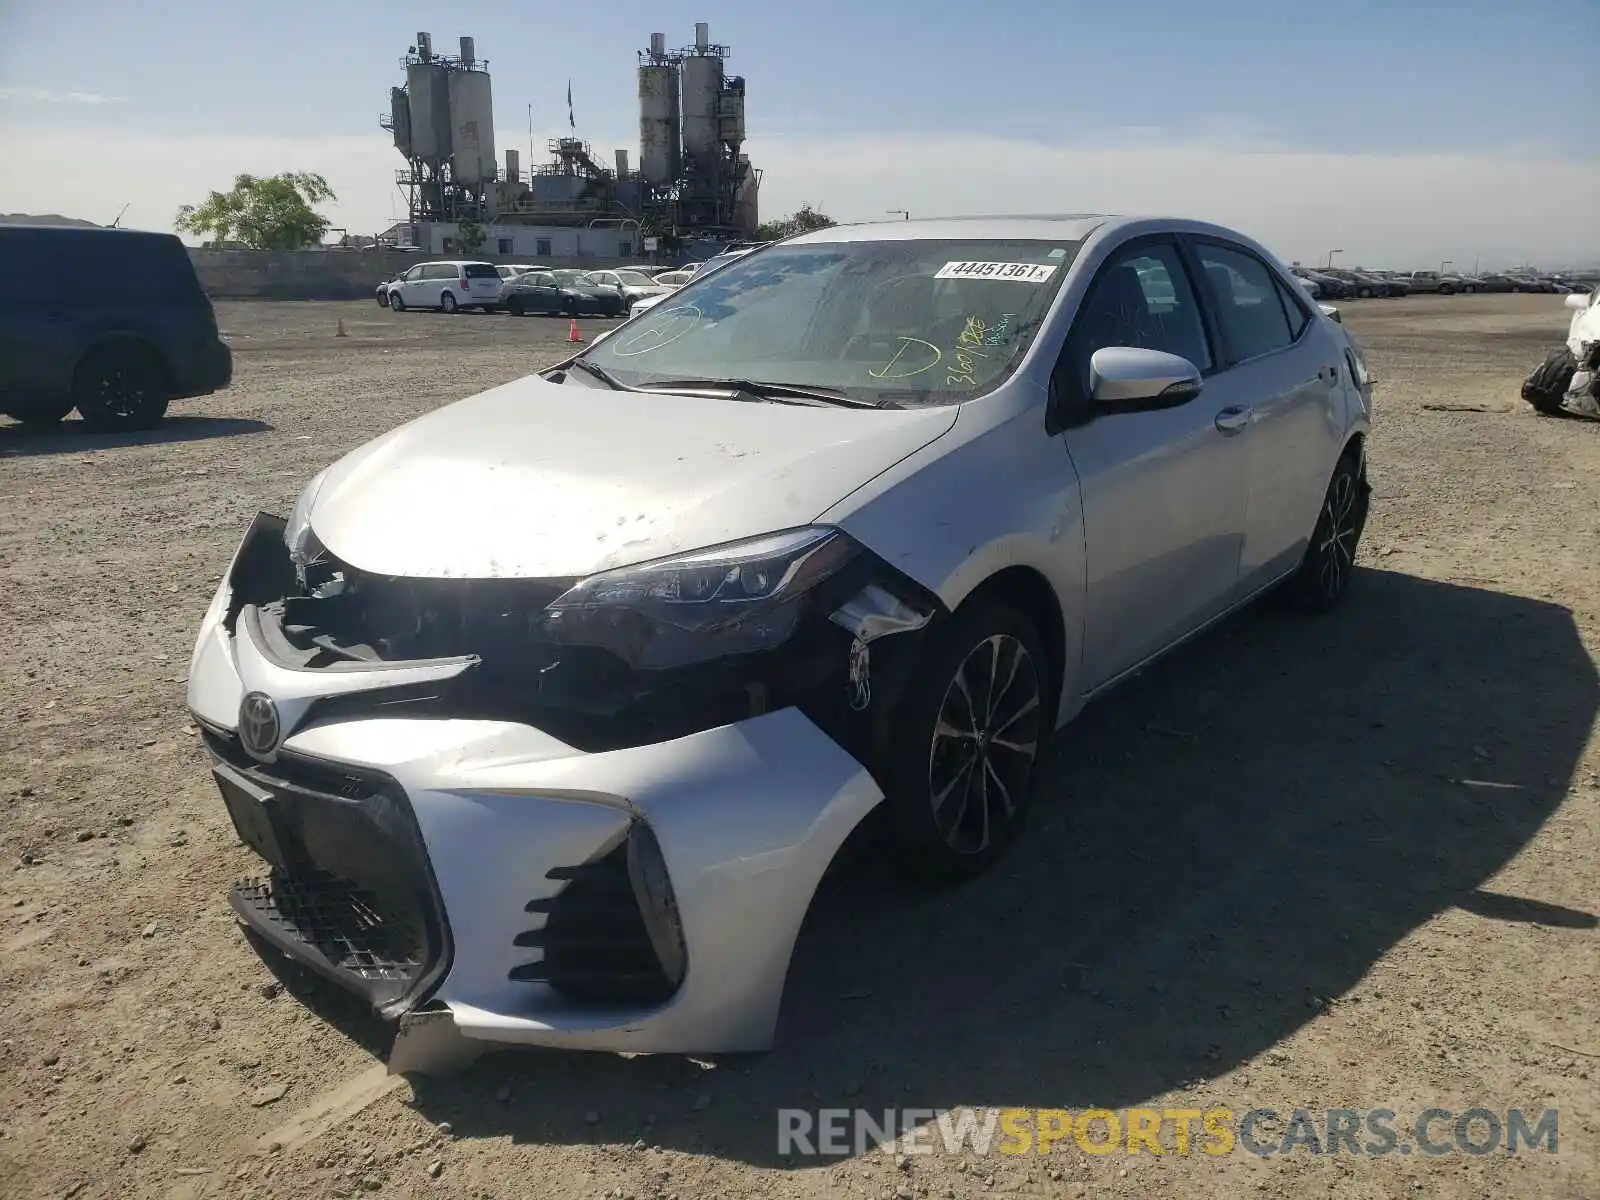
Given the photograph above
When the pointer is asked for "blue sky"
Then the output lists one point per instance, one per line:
(954, 95)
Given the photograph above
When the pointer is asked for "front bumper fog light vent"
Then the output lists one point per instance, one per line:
(612, 934)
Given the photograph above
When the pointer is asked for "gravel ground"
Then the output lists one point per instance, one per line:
(1343, 863)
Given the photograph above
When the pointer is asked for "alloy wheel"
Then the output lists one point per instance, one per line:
(1336, 546)
(122, 389)
(985, 741)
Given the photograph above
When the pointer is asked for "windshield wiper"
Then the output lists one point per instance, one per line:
(771, 391)
(600, 373)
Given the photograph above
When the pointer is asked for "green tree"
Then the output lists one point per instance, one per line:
(273, 213)
(470, 237)
(802, 221)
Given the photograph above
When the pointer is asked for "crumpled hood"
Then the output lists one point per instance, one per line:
(536, 479)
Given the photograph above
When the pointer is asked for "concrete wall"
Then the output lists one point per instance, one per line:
(334, 274)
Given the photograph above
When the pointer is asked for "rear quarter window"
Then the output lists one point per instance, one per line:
(480, 271)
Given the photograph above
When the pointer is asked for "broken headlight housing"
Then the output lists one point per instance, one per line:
(301, 543)
(732, 599)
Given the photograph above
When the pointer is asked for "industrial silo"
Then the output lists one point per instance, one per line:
(702, 93)
(659, 160)
(400, 119)
(428, 97)
(471, 125)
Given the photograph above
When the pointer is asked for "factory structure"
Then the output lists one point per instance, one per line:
(692, 179)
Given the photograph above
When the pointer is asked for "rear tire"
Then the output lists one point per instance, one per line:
(447, 303)
(1323, 577)
(963, 743)
(514, 307)
(120, 389)
(41, 416)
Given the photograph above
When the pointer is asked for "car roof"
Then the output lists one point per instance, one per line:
(1074, 227)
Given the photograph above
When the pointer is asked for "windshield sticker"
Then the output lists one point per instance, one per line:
(1016, 271)
(914, 352)
(669, 326)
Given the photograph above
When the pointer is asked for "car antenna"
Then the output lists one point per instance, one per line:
(120, 215)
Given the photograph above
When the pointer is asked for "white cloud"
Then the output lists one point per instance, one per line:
(1399, 210)
(44, 96)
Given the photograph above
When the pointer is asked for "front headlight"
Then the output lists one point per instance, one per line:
(301, 543)
(733, 599)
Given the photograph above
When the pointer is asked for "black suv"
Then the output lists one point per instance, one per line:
(111, 322)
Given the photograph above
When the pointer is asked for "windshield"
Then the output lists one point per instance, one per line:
(635, 278)
(568, 277)
(906, 322)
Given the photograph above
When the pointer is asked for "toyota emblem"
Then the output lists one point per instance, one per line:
(258, 724)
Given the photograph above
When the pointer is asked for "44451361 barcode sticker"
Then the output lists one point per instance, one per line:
(1018, 271)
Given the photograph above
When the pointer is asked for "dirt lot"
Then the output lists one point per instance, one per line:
(1341, 863)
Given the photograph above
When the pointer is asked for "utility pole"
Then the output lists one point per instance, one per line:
(1331, 253)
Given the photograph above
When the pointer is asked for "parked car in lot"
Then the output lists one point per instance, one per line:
(1436, 283)
(1531, 283)
(542, 292)
(1367, 284)
(112, 322)
(630, 285)
(1328, 287)
(558, 701)
(1496, 282)
(447, 286)
(383, 288)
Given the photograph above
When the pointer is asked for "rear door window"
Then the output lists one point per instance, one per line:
(1245, 297)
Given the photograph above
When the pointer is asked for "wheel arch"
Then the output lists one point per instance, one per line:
(1029, 592)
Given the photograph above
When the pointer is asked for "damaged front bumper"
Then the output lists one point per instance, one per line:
(484, 880)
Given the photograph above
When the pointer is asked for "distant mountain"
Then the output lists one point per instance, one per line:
(45, 219)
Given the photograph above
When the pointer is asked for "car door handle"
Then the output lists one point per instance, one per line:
(1233, 420)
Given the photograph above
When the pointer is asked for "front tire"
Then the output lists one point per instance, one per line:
(1323, 577)
(964, 742)
(396, 304)
(383, 299)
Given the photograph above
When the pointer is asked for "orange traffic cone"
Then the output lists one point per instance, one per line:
(339, 332)
(572, 334)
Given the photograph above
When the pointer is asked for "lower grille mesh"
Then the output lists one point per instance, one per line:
(340, 921)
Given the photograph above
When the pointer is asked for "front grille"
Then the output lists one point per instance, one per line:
(350, 894)
(596, 947)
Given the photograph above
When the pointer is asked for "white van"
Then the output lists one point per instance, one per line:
(447, 286)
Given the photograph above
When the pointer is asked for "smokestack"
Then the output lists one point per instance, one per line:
(469, 51)
(658, 45)
(622, 164)
(424, 46)
(702, 35)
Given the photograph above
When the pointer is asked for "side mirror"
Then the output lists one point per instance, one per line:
(1131, 377)
(1578, 300)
